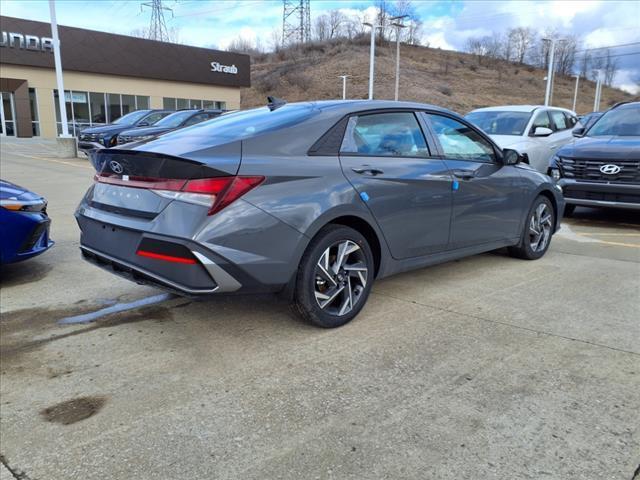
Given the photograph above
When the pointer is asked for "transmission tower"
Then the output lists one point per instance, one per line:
(296, 21)
(157, 26)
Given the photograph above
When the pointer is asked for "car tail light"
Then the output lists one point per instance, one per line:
(215, 193)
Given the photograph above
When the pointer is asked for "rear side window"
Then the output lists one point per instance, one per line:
(460, 142)
(393, 134)
(154, 117)
(559, 120)
(201, 117)
(571, 120)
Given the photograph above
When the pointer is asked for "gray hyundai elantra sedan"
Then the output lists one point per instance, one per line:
(315, 200)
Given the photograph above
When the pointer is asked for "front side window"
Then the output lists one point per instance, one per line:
(175, 119)
(559, 120)
(460, 142)
(541, 120)
(394, 134)
(201, 117)
(622, 121)
(131, 118)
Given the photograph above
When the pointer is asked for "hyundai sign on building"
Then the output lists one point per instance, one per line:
(106, 76)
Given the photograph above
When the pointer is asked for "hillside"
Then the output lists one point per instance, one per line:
(450, 79)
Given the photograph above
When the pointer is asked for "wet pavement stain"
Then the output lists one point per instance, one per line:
(19, 328)
(72, 411)
(13, 275)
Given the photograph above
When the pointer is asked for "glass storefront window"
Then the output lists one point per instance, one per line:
(113, 107)
(128, 104)
(196, 104)
(35, 117)
(208, 104)
(142, 102)
(169, 103)
(182, 103)
(81, 117)
(98, 109)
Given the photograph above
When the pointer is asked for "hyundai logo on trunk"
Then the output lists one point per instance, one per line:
(610, 169)
(116, 167)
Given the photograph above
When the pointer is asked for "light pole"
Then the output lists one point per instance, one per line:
(552, 50)
(372, 56)
(575, 94)
(58, 65)
(397, 22)
(596, 101)
(344, 85)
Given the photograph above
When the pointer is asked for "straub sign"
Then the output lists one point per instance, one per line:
(219, 68)
(26, 42)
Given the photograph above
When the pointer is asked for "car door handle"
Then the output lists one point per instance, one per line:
(553, 147)
(464, 174)
(367, 170)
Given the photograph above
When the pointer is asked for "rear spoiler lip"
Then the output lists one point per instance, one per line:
(221, 160)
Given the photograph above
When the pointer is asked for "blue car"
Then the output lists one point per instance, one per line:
(25, 224)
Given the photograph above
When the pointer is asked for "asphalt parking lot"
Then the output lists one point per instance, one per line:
(488, 367)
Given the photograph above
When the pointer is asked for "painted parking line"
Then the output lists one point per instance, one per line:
(51, 160)
(583, 237)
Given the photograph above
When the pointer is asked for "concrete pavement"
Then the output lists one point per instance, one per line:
(488, 367)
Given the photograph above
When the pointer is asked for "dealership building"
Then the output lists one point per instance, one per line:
(106, 76)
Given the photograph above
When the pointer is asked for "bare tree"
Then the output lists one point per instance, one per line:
(413, 31)
(336, 21)
(382, 18)
(276, 39)
(321, 28)
(519, 41)
(565, 55)
(172, 32)
(241, 45)
(610, 67)
(585, 63)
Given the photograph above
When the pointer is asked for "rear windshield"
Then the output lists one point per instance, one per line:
(234, 126)
(500, 123)
(622, 121)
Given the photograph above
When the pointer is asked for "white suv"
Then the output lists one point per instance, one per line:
(534, 131)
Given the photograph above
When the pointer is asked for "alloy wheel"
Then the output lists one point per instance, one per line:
(340, 277)
(540, 226)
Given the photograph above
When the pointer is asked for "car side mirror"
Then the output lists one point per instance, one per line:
(578, 132)
(511, 157)
(542, 132)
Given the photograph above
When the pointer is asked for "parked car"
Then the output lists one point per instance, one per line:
(534, 131)
(315, 200)
(179, 119)
(103, 136)
(601, 167)
(585, 121)
(25, 224)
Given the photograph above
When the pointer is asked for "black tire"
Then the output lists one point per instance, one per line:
(569, 208)
(312, 281)
(528, 248)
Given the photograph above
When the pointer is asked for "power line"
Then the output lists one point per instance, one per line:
(609, 46)
(217, 10)
(612, 56)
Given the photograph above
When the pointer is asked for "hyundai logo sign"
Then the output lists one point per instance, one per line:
(26, 42)
(610, 169)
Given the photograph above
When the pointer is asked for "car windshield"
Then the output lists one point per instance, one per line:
(175, 119)
(623, 121)
(131, 118)
(500, 122)
(241, 124)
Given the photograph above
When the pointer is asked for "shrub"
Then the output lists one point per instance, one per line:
(267, 83)
(299, 79)
(445, 90)
(473, 68)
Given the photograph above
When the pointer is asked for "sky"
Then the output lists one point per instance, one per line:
(447, 24)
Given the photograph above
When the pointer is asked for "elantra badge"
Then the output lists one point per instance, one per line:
(610, 169)
(116, 167)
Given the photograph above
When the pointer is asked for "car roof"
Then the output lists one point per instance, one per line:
(349, 106)
(520, 108)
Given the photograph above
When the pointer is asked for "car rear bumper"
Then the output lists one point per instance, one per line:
(117, 249)
(601, 194)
